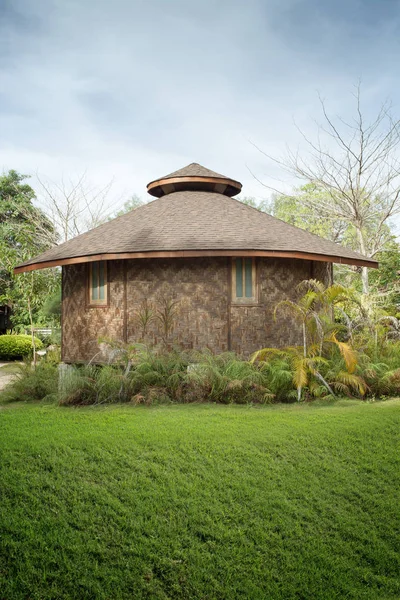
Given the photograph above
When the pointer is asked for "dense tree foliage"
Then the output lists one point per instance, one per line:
(24, 232)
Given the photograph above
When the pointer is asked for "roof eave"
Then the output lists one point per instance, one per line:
(58, 262)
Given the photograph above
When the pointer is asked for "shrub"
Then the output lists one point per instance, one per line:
(32, 383)
(14, 347)
(226, 379)
(93, 384)
(157, 377)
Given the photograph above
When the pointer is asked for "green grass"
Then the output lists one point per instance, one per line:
(200, 501)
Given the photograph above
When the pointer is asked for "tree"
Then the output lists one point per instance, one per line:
(356, 165)
(385, 281)
(261, 205)
(134, 202)
(74, 205)
(298, 209)
(24, 231)
(314, 311)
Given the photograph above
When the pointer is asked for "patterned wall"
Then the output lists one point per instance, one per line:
(82, 326)
(194, 293)
(199, 288)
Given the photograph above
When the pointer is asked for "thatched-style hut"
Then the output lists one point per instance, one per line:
(194, 268)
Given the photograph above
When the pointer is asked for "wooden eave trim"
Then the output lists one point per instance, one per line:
(194, 254)
(172, 180)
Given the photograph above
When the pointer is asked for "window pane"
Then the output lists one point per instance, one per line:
(101, 280)
(239, 278)
(248, 277)
(95, 279)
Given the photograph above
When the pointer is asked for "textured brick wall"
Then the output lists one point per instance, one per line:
(202, 310)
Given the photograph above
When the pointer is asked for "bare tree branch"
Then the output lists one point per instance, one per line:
(74, 205)
(358, 168)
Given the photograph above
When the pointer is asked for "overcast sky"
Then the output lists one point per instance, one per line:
(135, 89)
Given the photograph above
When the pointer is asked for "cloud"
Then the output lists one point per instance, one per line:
(135, 89)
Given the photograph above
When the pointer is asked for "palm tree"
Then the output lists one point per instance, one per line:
(315, 312)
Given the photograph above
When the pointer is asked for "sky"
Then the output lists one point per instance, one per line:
(131, 90)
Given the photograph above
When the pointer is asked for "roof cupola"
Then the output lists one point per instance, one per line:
(195, 178)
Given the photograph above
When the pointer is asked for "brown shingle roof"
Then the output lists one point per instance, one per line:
(193, 170)
(197, 221)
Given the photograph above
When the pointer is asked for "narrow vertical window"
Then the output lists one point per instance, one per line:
(239, 278)
(98, 283)
(248, 277)
(244, 281)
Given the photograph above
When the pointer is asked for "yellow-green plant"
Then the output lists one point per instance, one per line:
(314, 311)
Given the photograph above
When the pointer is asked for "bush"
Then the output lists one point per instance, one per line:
(151, 376)
(93, 384)
(225, 379)
(14, 347)
(159, 377)
(32, 383)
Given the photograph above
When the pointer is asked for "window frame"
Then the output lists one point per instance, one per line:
(97, 303)
(244, 300)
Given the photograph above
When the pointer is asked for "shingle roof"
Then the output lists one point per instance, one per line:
(199, 221)
(193, 170)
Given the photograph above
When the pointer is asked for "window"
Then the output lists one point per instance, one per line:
(244, 281)
(98, 283)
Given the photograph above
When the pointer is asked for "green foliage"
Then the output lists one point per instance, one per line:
(261, 205)
(225, 378)
(50, 312)
(299, 209)
(17, 346)
(385, 280)
(143, 376)
(200, 502)
(25, 231)
(32, 383)
(134, 202)
(350, 347)
(302, 209)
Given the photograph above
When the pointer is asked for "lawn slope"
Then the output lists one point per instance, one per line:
(202, 502)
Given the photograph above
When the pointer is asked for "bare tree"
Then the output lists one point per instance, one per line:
(359, 169)
(74, 205)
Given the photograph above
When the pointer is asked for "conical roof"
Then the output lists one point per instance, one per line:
(194, 177)
(195, 223)
(195, 170)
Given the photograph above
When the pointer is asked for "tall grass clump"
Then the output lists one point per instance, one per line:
(224, 378)
(94, 384)
(32, 383)
(145, 376)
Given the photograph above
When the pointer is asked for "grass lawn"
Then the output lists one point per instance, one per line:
(200, 501)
